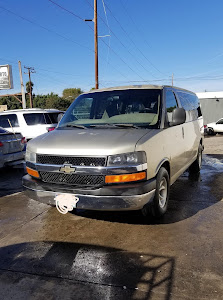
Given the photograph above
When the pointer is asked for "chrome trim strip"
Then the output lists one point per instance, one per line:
(9, 141)
(94, 170)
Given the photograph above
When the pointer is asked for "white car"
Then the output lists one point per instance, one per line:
(215, 127)
(30, 122)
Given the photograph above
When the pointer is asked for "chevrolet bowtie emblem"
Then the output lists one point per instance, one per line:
(68, 169)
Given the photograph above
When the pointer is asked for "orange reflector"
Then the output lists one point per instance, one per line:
(125, 177)
(32, 172)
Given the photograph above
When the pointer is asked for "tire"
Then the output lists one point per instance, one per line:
(160, 202)
(196, 165)
(211, 131)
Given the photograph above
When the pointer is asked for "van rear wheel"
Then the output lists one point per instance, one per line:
(160, 202)
(196, 165)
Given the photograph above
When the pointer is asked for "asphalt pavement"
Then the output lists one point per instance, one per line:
(110, 255)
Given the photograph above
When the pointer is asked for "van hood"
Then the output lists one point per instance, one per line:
(82, 142)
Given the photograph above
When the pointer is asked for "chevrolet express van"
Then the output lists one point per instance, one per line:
(117, 149)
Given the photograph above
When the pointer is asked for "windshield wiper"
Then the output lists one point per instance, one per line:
(126, 125)
(102, 125)
(76, 125)
(109, 125)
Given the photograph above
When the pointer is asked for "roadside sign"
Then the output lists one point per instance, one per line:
(6, 81)
(3, 107)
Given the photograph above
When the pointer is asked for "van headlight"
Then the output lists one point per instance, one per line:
(131, 158)
(30, 156)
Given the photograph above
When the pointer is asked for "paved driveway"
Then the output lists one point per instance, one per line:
(98, 255)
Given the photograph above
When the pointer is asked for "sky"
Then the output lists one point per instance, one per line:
(140, 42)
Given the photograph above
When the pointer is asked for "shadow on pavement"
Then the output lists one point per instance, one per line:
(57, 270)
(11, 180)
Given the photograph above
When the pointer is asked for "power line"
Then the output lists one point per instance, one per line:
(56, 72)
(66, 10)
(10, 61)
(70, 12)
(132, 40)
(122, 45)
(45, 28)
(108, 29)
(192, 77)
(141, 33)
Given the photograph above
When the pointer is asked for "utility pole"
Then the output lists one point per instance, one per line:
(95, 20)
(96, 43)
(22, 86)
(172, 79)
(30, 70)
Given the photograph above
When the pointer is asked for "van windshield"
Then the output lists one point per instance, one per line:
(136, 107)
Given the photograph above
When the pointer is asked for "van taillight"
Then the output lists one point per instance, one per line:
(1, 144)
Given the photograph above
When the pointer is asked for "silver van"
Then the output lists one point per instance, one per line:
(117, 149)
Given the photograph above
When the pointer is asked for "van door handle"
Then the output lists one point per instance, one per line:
(183, 132)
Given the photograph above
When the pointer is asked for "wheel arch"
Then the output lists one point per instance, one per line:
(165, 164)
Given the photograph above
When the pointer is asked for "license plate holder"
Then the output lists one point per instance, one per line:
(65, 202)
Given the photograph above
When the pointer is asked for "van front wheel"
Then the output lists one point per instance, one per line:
(160, 202)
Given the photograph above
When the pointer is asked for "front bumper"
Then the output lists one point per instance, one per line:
(132, 196)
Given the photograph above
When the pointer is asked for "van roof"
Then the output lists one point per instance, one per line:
(133, 87)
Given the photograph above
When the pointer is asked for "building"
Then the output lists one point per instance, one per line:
(211, 106)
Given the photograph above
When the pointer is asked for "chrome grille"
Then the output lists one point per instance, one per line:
(72, 179)
(72, 160)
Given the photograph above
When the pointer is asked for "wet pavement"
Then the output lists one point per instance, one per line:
(110, 255)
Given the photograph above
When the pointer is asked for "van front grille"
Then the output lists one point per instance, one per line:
(72, 179)
(72, 160)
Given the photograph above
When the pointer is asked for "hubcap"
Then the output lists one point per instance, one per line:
(163, 192)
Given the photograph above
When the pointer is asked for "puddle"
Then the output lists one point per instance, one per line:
(211, 163)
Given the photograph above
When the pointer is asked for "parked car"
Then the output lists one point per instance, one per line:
(117, 149)
(12, 148)
(215, 127)
(30, 122)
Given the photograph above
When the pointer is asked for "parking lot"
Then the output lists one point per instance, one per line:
(110, 255)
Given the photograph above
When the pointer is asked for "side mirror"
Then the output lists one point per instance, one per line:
(179, 116)
(60, 116)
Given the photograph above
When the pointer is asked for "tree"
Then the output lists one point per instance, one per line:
(28, 88)
(11, 102)
(71, 93)
(51, 100)
(39, 101)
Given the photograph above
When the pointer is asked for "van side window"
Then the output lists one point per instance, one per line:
(191, 104)
(171, 104)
